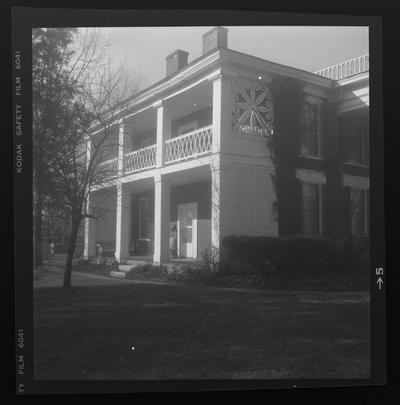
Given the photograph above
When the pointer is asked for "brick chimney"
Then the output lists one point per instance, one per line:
(216, 38)
(176, 60)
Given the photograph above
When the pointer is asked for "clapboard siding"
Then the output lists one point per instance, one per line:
(254, 197)
(243, 200)
(106, 203)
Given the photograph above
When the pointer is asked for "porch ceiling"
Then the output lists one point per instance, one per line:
(190, 176)
(187, 176)
(142, 122)
(190, 101)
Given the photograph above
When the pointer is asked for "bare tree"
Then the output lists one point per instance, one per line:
(84, 155)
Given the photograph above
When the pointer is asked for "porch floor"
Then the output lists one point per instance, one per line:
(149, 259)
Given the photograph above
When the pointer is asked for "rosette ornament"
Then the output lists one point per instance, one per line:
(253, 110)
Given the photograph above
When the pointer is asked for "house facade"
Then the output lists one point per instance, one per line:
(192, 163)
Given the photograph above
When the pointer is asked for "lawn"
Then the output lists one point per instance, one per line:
(183, 332)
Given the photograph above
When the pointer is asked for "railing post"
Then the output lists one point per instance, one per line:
(163, 131)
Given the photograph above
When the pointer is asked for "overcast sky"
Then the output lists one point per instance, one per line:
(308, 48)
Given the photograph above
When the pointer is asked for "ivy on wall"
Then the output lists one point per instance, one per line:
(288, 99)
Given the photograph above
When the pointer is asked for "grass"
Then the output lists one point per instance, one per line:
(181, 332)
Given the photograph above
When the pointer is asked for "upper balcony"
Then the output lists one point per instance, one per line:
(184, 147)
(163, 135)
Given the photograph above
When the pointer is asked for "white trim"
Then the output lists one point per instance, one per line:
(194, 229)
(311, 176)
(352, 181)
(353, 79)
(260, 64)
(320, 204)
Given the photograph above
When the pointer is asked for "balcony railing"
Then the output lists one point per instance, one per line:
(140, 159)
(346, 69)
(187, 146)
(190, 145)
(109, 168)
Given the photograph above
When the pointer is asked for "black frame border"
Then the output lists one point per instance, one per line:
(23, 20)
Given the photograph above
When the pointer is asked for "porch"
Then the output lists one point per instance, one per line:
(159, 219)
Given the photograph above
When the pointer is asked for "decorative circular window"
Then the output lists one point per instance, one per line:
(253, 110)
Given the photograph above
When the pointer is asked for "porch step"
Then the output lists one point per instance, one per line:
(125, 267)
(137, 262)
(118, 274)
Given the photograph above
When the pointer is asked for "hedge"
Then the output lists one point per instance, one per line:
(296, 255)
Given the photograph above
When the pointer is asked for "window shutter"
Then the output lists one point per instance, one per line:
(347, 210)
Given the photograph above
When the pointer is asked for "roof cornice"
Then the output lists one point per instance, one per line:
(158, 90)
(202, 64)
(229, 55)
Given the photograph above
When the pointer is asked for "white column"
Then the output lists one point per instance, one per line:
(121, 141)
(221, 201)
(163, 131)
(221, 176)
(122, 223)
(90, 236)
(221, 113)
(162, 197)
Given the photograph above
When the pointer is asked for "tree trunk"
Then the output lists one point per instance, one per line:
(71, 249)
(38, 259)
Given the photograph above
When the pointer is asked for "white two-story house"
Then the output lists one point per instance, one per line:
(193, 163)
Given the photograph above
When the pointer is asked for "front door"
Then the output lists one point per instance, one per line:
(187, 230)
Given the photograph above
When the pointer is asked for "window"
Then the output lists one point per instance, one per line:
(355, 137)
(358, 211)
(311, 209)
(309, 120)
(186, 128)
(146, 219)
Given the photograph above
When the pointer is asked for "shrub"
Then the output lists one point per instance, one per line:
(148, 270)
(210, 258)
(351, 255)
(296, 255)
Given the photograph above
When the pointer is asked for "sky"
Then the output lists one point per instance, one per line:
(310, 48)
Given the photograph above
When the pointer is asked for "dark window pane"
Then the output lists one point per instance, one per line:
(355, 136)
(357, 201)
(310, 130)
(311, 209)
